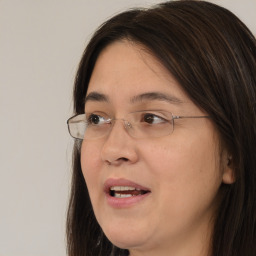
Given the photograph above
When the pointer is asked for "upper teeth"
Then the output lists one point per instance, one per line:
(122, 188)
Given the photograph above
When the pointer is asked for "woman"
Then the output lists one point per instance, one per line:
(164, 157)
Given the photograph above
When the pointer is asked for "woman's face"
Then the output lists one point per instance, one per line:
(177, 176)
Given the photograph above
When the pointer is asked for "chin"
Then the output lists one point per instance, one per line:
(125, 239)
(126, 243)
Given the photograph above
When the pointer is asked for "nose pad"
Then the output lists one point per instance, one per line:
(129, 128)
(127, 125)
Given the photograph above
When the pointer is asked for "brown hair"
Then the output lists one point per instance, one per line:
(212, 55)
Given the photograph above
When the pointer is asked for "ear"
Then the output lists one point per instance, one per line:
(228, 176)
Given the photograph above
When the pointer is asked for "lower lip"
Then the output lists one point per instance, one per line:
(126, 202)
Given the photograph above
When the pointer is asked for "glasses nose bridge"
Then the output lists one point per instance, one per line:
(127, 124)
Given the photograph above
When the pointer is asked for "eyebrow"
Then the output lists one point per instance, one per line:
(100, 97)
(97, 97)
(156, 96)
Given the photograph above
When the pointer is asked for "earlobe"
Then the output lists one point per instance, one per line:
(228, 172)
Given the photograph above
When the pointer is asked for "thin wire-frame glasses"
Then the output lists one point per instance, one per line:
(139, 124)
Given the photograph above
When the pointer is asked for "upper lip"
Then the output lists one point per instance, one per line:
(111, 182)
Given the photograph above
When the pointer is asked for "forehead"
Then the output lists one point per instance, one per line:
(125, 70)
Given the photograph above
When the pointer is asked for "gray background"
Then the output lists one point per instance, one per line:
(41, 43)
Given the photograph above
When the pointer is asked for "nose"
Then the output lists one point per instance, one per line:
(119, 146)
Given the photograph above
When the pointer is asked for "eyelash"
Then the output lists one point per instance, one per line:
(145, 117)
(89, 120)
(149, 115)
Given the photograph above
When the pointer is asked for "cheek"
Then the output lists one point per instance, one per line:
(90, 155)
(185, 168)
(191, 154)
(186, 178)
(175, 158)
(90, 163)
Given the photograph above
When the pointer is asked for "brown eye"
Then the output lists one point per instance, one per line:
(150, 118)
(94, 119)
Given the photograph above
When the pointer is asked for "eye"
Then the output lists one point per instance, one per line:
(94, 119)
(150, 118)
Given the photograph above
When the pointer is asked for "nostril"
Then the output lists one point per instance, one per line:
(122, 159)
(118, 161)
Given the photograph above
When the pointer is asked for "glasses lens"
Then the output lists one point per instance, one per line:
(150, 124)
(140, 124)
(77, 126)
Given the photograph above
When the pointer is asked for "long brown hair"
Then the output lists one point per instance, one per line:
(212, 55)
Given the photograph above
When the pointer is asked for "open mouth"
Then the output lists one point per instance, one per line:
(126, 191)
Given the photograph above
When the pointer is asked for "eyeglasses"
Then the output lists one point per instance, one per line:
(139, 124)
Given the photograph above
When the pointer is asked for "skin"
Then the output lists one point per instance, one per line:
(183, 170)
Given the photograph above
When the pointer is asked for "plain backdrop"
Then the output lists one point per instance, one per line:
(41, 43)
